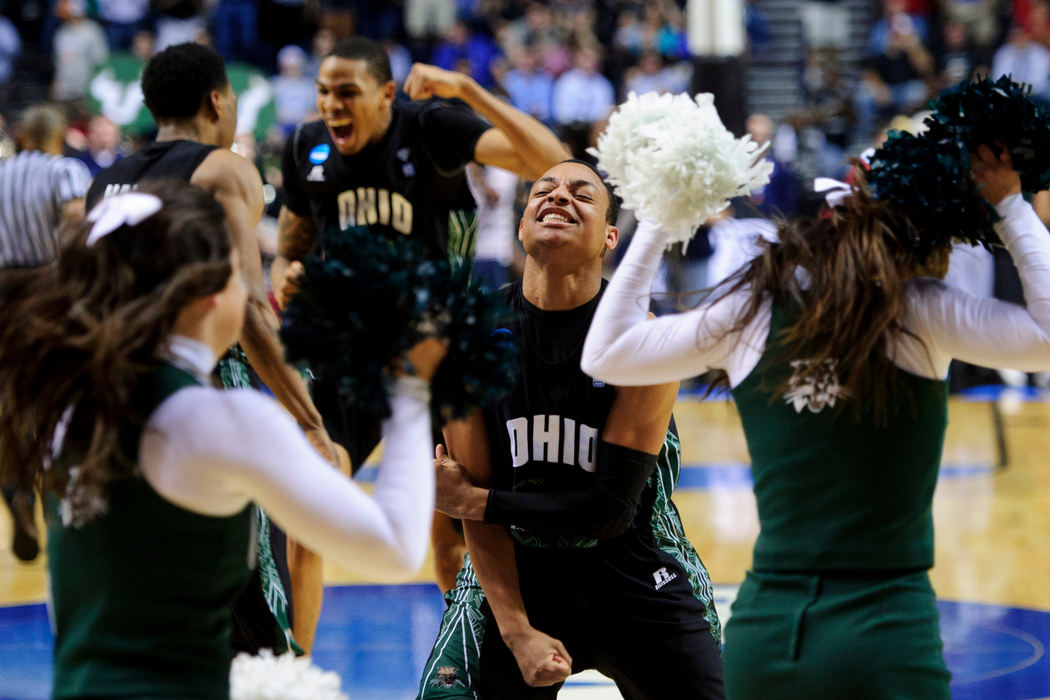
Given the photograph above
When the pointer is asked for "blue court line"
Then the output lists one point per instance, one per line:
(378, 639)
(983, 392)
(737, 475)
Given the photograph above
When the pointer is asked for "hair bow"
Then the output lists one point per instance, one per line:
(835, 191)
(127, 209)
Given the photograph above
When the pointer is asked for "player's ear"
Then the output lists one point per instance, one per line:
(214, 104)
(389, 91)
(612, 236)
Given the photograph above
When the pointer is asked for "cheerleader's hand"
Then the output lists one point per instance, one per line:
(994, 173)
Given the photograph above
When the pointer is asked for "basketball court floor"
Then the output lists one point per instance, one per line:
(992, 515)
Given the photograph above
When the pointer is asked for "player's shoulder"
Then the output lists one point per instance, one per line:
(310, 134)
(309, 143)
(436, 111)
(222, 167)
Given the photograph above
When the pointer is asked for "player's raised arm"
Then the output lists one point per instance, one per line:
(517, 142)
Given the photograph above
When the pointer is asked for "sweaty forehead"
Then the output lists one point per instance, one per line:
(571, 174)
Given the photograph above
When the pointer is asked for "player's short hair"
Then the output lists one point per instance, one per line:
(359, 48)
(612, 212)
(178, 80)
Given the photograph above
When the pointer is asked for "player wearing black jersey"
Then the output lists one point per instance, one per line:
(398, 168)
(187, 92)
(580, 554)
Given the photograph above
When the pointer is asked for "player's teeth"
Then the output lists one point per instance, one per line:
(555, 217)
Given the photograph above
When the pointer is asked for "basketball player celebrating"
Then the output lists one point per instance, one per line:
(187, 92)
(398, 168)
(580, 555)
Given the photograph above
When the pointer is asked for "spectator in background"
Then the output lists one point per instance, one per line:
(495, 190)
(629, 35)
(235, 28)
(538, 28)
(662, 30)
(400, 60)
(583, 94)
(80, 47)
(461, 44)
(979, 21)
(10, 48)
(178, 22)
(894, 14)
(824, 122)
(39, 189)
(1034, 17)
(893, 80)
(102, 147)
(322, 42)
(293, 91)
(121, 20)
(650, 75)
(143, 45)
(1024, 60)
(530, 87)
(780, 195)
(957, 60)
(425, 19)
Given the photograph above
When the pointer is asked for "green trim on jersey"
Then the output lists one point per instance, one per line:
(452, 669)
(670, 534)
(234, 374)
(462, 235)
(233, 369)
(454, 666)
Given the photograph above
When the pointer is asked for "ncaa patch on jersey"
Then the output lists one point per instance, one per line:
(319, 154)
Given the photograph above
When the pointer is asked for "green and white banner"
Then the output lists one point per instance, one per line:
(115, 91)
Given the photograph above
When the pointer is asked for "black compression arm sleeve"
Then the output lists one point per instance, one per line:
(604, 511)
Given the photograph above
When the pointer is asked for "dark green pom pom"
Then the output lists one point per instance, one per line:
(986, 112)
(371, 298)
(929, 183)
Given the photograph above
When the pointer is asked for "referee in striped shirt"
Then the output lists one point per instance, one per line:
(38, 190)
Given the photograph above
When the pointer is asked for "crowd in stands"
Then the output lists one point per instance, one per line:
(567, 63)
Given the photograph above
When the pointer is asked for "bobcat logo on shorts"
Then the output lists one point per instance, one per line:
(815, 391)
(446, 677)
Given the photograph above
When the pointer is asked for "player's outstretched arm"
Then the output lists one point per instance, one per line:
(236, 185)
(542, 659)
(518, 143)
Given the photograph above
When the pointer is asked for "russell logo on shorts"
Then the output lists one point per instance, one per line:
(662, 577)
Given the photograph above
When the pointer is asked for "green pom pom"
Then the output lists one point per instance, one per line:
(929, 183)
(990, 112)
(371, 298)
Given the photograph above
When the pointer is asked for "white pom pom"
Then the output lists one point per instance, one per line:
(671, 159)
(284, 677)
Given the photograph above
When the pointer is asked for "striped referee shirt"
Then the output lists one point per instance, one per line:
(34, 186)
